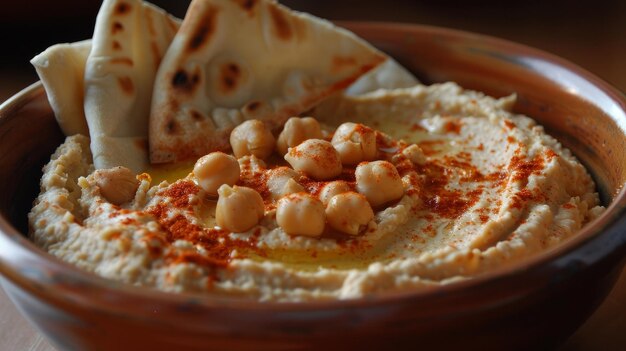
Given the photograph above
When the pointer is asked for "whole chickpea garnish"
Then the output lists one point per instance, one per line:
(238, 208)
(215, 169)
(281, 181)
(333, 188)
(349, 212)
(296, 131)
(379, 181)
(301, 214)
(316, 158)
(355, 143)
(252, 137)
(415, 154)
(117, 185)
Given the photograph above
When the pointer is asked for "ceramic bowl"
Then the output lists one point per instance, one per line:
(538, 302)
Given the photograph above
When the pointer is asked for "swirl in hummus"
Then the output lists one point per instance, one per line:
(482, 187)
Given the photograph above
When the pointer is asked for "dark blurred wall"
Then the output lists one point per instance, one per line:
(590, 33)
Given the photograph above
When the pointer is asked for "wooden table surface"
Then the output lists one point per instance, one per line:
(592, 35)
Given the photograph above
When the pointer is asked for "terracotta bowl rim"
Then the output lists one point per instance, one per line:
(15, 247)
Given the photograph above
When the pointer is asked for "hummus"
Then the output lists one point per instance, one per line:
(483, 188)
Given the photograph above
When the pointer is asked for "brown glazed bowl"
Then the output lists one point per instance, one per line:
(538, 302)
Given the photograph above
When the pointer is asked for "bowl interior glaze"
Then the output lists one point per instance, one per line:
(516, 306)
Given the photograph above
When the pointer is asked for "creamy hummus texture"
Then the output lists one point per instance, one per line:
(481, 188)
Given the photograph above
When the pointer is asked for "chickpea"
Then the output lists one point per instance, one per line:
(252, 137)
(117, 185)
(333, 188)
(215, 169)
(349, 213)
(290, 187)
(415, 154)
(316, 158)
(281, 181)
(251, 164)
(296, 131)
(379, 181)
(238, 208)
(355, 143)
(301, 214)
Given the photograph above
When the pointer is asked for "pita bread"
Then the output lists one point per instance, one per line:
(234, 60)
(129, 41)
(389, 75)
(61, 69)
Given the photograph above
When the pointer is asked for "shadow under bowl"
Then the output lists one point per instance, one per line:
(537, 302)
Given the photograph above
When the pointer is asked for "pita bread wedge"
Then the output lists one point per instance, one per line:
(389, 75)
(129, 41)
(61, 69)
(234, 60)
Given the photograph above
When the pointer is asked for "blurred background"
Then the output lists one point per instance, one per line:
(591, 34)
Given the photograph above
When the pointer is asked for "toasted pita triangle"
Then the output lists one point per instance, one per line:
(129, 41)
(236, 60)
(61, 69)
(389, 75)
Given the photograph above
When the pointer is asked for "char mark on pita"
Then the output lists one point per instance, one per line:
(122, 8)
(202, 34)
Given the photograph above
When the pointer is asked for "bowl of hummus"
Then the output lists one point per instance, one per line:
(484, 202)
